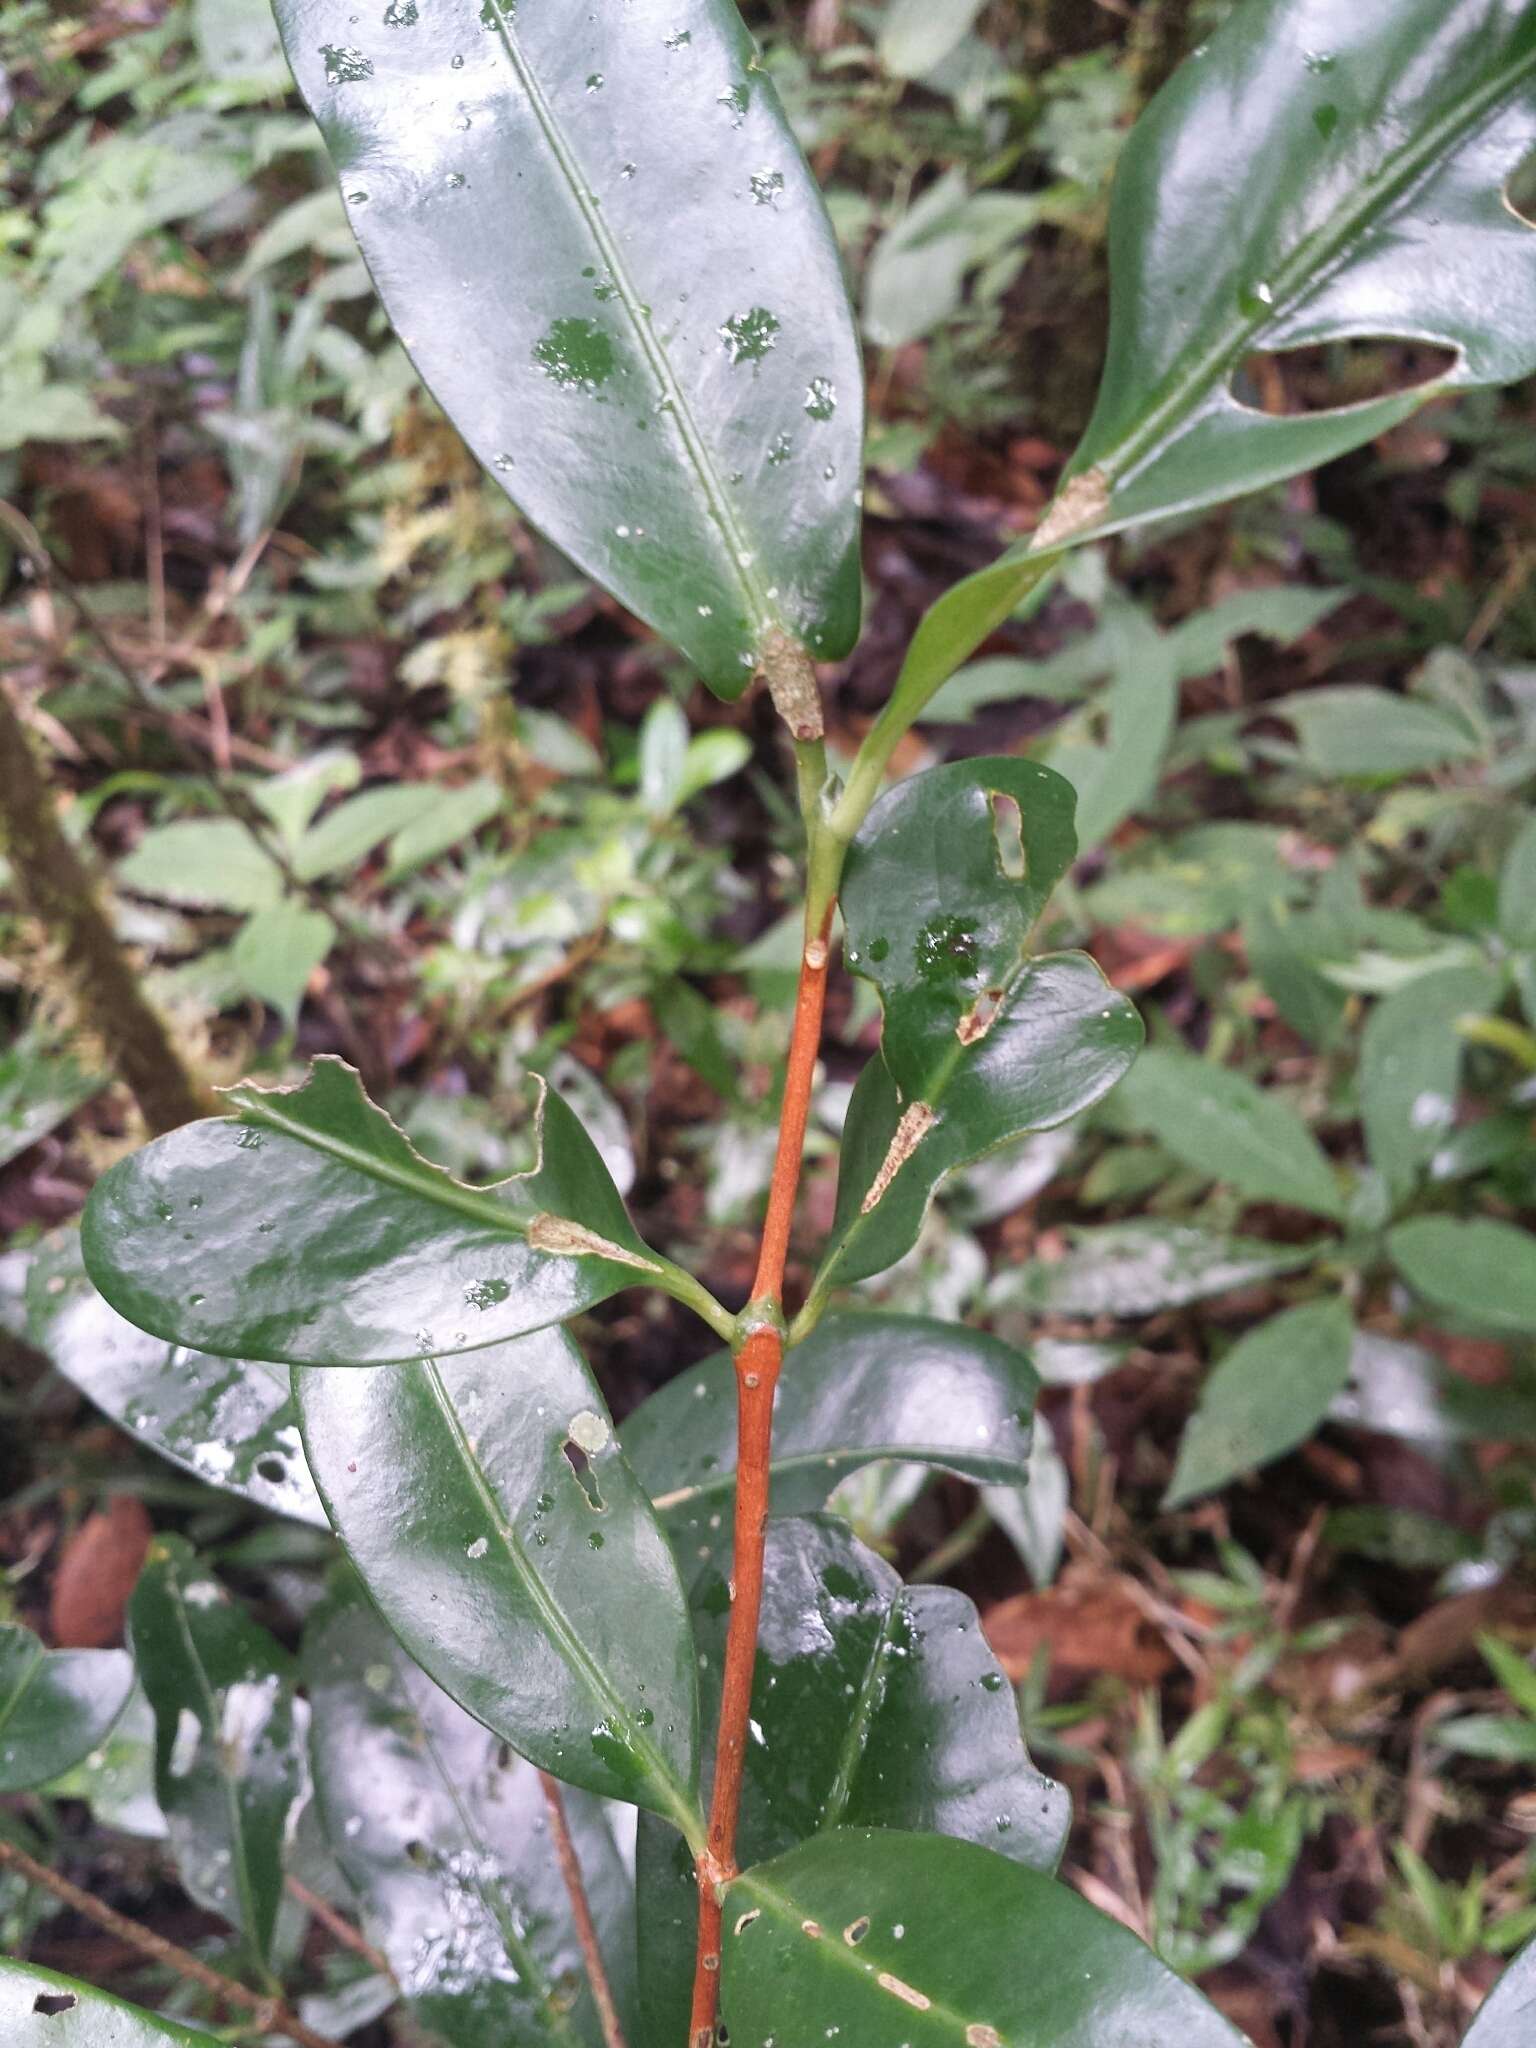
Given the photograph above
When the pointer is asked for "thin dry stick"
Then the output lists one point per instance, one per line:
(270, 2014)
(757, 1375)
(581, 1913)
(340, 1929)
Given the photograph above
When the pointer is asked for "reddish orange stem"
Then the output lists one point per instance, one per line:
(757, 1375)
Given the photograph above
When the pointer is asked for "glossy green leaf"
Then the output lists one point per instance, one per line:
(55, 1706)
(1364, 153)
(230, 1422)
(444, 1839)
(874, 1704)
(916, 1939)
(942, 888)
(1224, 1125)
(1481, 1270)
(306, 1229)
(1508, 2013)
(1061, 1040)
(1267, 1395)
(230, 1769)
(40, 2009)
(494, 1519)
(860, 1387)
(1135, 1269)
(672, 389)
(1410, 1069)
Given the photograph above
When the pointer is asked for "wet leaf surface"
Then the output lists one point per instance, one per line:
(230, 1768)
(56, 1706)
(873, 1703)
(859, 1387)
(307, 1230)
(941, 1944)
(495, 1521)
(40, 2009)
(1508, 2013)
(229, 1422)
(673, 391)
(444, 1838)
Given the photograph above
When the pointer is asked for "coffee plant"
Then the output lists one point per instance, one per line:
(595, 234)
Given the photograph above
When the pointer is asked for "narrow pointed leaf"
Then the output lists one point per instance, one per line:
(230, 1770)
(56, 1706)
(1267, 1395)
(941, 1944)
(672, 390)
(860, 1387)
(1482, 1270)
(874, 1704)
(444, 1839)
(1507, 2018)
(40, 2009)
(1224, 1125)
(1410, 1068)
(306, 1229)
(229, 1422)
(1060, 1039)
(1364, 151)
(544, 1600)
(1135, 1269)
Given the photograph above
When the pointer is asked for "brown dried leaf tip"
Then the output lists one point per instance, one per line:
(792, 684)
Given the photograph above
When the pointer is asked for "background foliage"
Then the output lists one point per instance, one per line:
(1293, 1708)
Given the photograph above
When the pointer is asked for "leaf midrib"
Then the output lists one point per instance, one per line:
(861, 1714)
(23, 1686)
(1309, 264)
(427, 1183)
(738, 553)
(554, 1618)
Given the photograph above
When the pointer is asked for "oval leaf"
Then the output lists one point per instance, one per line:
(306, 1229)
(1482, 1270)
(943, 884)
(499, 1530)
(56, 1706)
(1224, 1125)
(1060, 1038)
(646, 340)
(875, 1704)
(1267, 1395)
(941, 1944)
(230, 1422)
(230, 1769)
(444, 1840)
(1364, 149)
(1410, 1068)
(860, 1387)
(39, 2009)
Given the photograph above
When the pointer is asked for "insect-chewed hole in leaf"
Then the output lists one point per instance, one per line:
(586, 1478)
(272, 1467)
(856, 1930)
(49, 2004)
(1333, 374)
(419, 1854)
(1520, 190)
(1008, 831)
(980, 1017)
